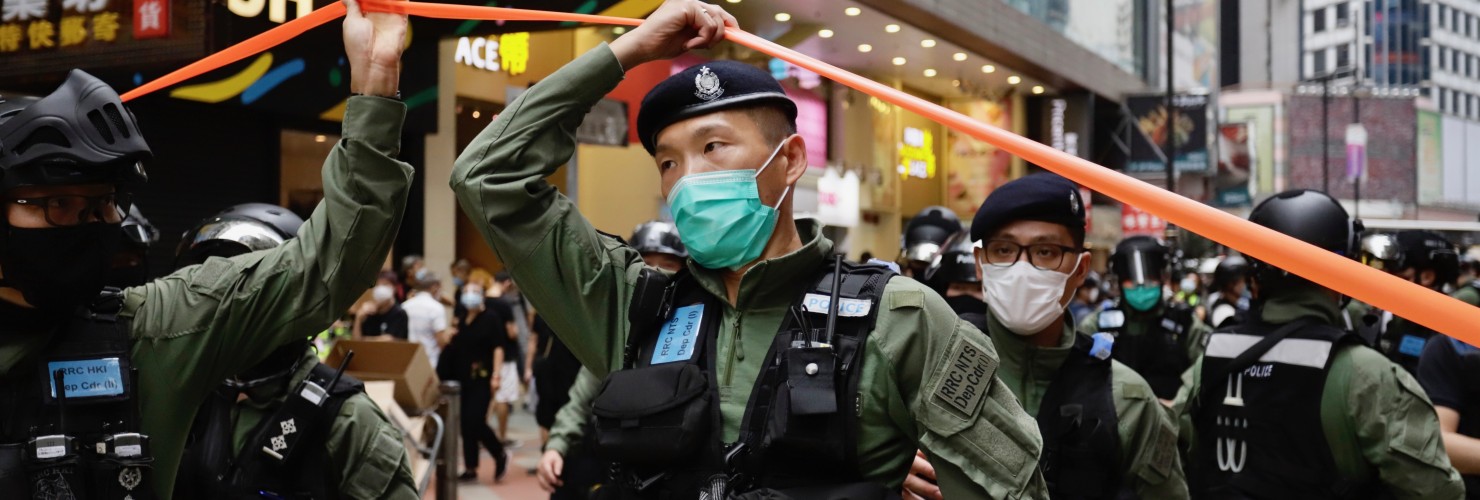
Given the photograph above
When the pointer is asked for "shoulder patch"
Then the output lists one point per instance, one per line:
(964, 378)
(900, 299)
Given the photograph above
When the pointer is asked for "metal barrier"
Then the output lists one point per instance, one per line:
(446, 461)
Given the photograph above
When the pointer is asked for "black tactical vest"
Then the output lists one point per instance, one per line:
(285, 455)
(1259, 424)
(1403, 341)
(1160, 353)
(69, 420)
(658, 418)
(1081, 435)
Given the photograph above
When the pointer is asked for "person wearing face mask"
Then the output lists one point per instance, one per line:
(381, 318)
(760, 368)
(1229, 301)
(1291, 405)
(1426, 259)
(924, 237)
(953, 274)
(98, 386)
(1104, 434)
(345, 447)
(1155, 337)
(475, 358)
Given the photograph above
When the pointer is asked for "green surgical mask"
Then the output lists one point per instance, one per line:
(720, 217)
(1143, 298)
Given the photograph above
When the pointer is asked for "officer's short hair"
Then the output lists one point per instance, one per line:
(773, 122)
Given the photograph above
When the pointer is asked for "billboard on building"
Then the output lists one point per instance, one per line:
(1430, 159)
(1154, 127)
(1236, 159)
(973, 167)
(1391, 125)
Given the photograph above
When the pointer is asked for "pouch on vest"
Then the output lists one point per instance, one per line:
(653, 415)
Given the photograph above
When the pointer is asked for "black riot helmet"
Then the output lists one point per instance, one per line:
(79, 134)
(1427, 250)
(1140, 260)
(658, 237)
(1230, 269)
(954, 263)
(1307, 215)
(240, 229)
(130, 266)
(926, 232)
(137, 231)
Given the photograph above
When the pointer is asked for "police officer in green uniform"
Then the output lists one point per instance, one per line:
(97, 390)
(1426, 259)
(1155, 337)
(762, 367)
(338, 436)
(1104, 433)
(1291, 405)
(924, 237)
(569, 469)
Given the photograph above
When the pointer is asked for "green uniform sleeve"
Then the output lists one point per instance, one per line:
(1182, 405)
(1148, 438)
(1197, 338)
(571, 420)
(1469, 294)
(1396, 429)
(1090, 325)
(580, 280)
(980, 441)
(368, 455)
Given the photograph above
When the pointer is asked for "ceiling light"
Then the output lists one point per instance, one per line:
(863, 47)
(891, 28)
(734, 1)
(899, 61)
(852, 11)
(959, 56)
(927, 43)
(477, 114)
(930, 73)
(1014, 80)
(988, 68)
(320, 138)
(1037, 89)
(783, 17)
(955, 83)
(825, 33)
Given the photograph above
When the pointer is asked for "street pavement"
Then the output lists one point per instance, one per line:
(518, 484)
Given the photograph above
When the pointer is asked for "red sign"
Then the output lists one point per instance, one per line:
(151, 19)
(1134, 221)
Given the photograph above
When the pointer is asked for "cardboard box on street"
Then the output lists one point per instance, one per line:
(404, 363)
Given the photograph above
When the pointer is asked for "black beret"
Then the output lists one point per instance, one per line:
(1041, 197)
(706, 88)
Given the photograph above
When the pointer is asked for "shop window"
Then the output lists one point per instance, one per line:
(1318, 20)
(1343, 15)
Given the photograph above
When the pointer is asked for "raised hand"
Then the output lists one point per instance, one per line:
(373, 42)
(676, 27)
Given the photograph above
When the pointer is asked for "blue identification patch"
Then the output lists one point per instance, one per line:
(677, 338)
(87, 378)
(1412, 346)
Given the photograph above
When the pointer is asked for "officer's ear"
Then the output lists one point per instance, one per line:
(795, 153)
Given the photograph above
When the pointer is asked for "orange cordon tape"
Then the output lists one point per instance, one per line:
(1347, 276)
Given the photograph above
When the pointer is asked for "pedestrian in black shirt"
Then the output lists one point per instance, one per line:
(1448, 371)
(381, 316)
(473, 358)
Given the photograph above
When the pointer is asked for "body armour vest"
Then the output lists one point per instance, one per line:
(1081, 431)
(1403, 341)
(1159, 354)
(284, 456)
(69, 421)
(1258, 415)
(658, 419)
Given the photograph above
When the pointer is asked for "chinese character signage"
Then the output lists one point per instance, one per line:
(40, 40)
(917, 154)
(1134, 221)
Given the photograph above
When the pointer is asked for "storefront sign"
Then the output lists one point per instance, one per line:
(40, 40)
(277, 10)
(1134, 221)
(508, 52)
(837, 198)
(1236, 156)
(151, 19)
(1067, 142)
(917, 154)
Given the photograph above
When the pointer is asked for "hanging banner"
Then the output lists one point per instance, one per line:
(1137, 222)
(1236, 157)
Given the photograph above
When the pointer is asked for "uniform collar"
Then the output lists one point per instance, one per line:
(1016, 351)
(776, 282)
(1289, 304)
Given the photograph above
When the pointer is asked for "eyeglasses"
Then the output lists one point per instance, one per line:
(1045, 256)
(75, 210)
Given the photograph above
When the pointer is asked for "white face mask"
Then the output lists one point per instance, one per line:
(1188, 285)
(1024, 298)
(383, 293)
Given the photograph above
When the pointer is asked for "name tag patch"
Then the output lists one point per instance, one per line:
(1412, 346)
(848, 308)
(87, 378)
(965, 380)
(677, 338)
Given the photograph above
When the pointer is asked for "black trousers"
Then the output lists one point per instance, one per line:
(476, 396)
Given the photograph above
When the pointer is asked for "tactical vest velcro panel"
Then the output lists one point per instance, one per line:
(1259, 428)
(70, 423)
(1081, 456)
